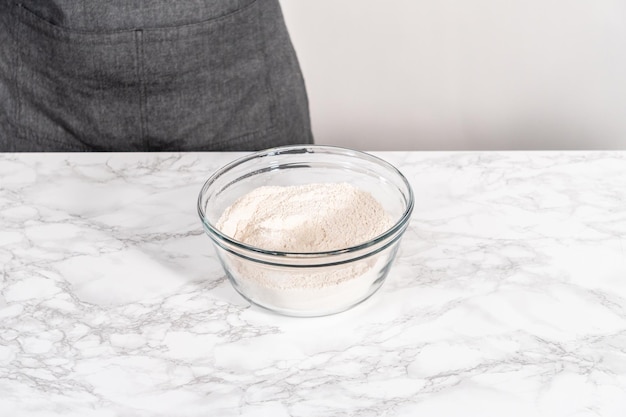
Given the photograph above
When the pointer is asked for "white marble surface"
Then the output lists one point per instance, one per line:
(508, 297)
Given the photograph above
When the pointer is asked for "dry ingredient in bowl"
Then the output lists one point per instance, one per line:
(306, 218)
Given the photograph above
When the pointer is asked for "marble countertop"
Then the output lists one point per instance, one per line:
(508, 296)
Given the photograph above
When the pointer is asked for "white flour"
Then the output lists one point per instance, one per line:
(306, 218)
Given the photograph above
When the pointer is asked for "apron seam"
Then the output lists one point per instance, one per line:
(266, 62)
(175, 28)
(141, 85)
(16, 69)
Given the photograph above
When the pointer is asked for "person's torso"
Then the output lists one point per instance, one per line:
(147, 74)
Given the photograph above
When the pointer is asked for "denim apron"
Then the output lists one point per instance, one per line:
(148, 75)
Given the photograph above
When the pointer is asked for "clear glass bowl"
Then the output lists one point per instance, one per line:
(307, 284)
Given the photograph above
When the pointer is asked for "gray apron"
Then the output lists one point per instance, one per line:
(148, 75)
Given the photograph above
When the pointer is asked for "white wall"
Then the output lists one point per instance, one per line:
(459, 74)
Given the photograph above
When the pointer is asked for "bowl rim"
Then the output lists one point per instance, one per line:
(397, 227)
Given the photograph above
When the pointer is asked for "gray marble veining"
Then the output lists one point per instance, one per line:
(508, 297)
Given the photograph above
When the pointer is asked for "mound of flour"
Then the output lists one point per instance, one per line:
(305, 218)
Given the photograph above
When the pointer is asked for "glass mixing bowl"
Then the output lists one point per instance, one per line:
(307, 284)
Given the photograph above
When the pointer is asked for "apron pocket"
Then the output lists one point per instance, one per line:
(194, 86)
(207, 83)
